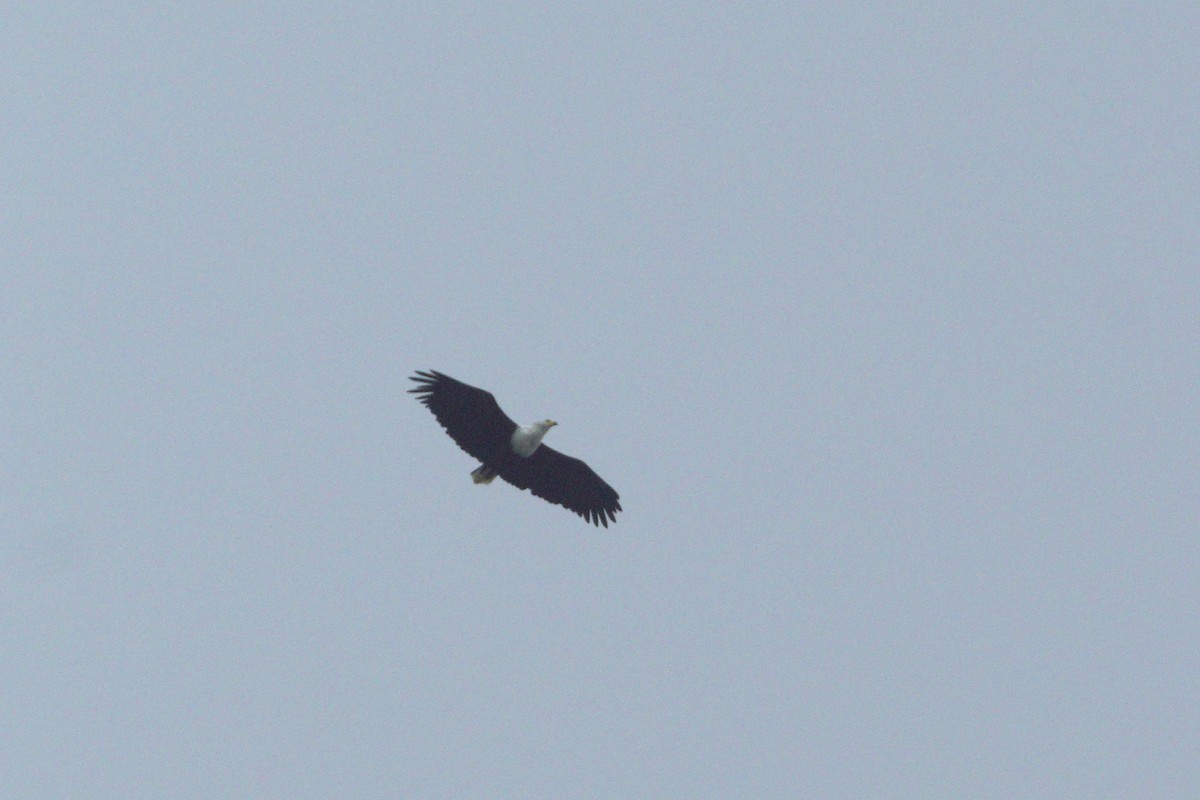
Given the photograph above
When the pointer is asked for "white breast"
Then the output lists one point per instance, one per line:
(526, 439)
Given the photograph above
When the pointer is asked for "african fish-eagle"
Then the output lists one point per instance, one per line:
(475, 422)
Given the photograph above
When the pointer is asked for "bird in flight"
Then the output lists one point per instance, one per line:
(514, 452)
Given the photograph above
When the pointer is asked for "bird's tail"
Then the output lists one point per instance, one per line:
(483, 474)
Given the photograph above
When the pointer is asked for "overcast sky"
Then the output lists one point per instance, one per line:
(884, 323)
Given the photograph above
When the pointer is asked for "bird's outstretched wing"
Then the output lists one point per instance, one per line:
(470, 415)
(566, 481)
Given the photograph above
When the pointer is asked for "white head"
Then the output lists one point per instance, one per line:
(526, 440)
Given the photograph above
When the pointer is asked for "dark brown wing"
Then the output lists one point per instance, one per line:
(565, 481)
(470, 415)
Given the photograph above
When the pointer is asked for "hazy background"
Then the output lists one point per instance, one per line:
(884, 323)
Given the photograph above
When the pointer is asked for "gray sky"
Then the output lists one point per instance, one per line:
(884, 323)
